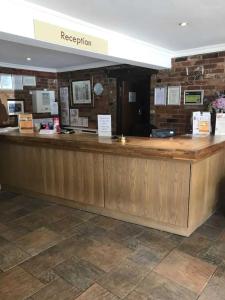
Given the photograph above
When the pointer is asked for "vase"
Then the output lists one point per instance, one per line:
(213, 122)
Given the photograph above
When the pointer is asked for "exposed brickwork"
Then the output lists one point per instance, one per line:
(44, 80)
(104, 104)
(178, 117)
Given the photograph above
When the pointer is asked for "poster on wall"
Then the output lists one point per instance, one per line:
(74, 117)
(17, 82)
(174, 95)
(132, 97)
(29, 80)
(6, 82)
(160, 96)
(64, 105)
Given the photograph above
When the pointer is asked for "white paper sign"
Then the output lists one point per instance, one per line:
(54, 108)
(132, 97)
(104, 125)
(220, 124)
(74, 117)
(17, 82)
(201, 123)
(29, 81)
(160, 96)
(64, 98)
(6, 82)
(65, 117)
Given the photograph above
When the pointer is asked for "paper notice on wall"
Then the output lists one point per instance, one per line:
(6, 82)
(65, 117)
(83, 122)
(201, 123)
(160, 96)
(29, 80)
(74, 116)
(104, 125)
(64, 98)
(220, 124)
(17, 82)
(54, 108)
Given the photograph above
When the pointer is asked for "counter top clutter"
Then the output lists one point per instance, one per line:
(185, 147)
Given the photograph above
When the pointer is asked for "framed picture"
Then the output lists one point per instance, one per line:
(81, 92)
(160, 94)
(174, 95)
(15, 107)
(193, 97)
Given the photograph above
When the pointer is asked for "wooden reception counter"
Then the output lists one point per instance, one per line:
(170, 184)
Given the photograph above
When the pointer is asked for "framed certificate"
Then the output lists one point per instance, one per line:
(160, 96)
(174, 95)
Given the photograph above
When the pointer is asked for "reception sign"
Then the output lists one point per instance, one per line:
(63, 36)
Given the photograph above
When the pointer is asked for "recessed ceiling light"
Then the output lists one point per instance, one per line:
(183, 24)
(28, 58)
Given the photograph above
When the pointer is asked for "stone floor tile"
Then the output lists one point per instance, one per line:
(216, 220)
(188, 271)
(17, 284)
(10, 256)
(4, 195)
(106, 222)
(126, 230)
(215, 289)
(38, 240)
(160, 245)
(122, 279)
(79, 273)
(157, 287)
(13, 233)
(96, 292)
(59, 289)
(66, 226)
(143, 256)
(89, 230)
(215, 254)
(195, 244)
(210, 232)
(3, 227)
(105, 254)
(84, 215)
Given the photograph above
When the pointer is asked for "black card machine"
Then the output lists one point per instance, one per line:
(163, 133)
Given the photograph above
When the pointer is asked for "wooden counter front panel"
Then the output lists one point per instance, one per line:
(207, 188)
(154, 189)
(76, 176)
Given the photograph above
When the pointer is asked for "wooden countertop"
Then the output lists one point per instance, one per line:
(180, 147)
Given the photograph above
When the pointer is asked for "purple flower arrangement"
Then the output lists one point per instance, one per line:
(218, 104)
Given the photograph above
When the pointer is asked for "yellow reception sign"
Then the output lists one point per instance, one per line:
(62, 36)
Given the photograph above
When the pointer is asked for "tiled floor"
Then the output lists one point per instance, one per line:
(48, 251)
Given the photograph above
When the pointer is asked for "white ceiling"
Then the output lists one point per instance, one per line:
(153, 21)
(15, 53)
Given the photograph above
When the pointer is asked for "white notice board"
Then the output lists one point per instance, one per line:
(220, 124)
(104, 125)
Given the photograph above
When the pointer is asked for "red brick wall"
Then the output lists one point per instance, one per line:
(213, 80)
(103, 104)
(44, 80)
